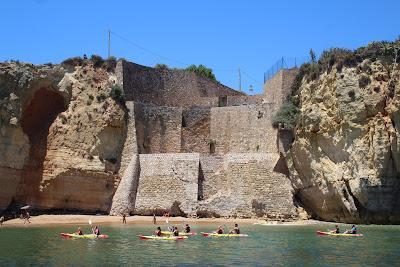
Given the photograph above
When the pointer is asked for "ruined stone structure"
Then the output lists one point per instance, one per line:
(180, 142)
(202, 148)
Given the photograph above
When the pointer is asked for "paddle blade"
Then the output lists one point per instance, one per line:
(90, 222)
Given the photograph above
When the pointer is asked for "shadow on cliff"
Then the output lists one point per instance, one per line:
(36, 119)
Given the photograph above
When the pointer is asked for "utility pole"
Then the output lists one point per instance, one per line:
(240, 80)
(109, 43)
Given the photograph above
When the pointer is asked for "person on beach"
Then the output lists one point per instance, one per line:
(220, 231)
(187, 228)
(158, 231)
(124, 218)
(336, 230)
(1, 220)
(79, 231)
(154, 219)
(353, 230)
(27, 216)
(96, 231)
(235, 230)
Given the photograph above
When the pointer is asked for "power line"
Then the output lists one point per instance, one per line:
(214, 68)
(147, 50)
(251, 78)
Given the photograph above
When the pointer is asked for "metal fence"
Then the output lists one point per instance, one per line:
(284, 63)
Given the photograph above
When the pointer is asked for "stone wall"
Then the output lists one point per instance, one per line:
(246, 185)
(196, 130)
(165, 87)
(278, 87)
(166, 179)
(244, 100)
(243, 129)
(158, 129)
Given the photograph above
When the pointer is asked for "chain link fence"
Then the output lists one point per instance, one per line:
(284, 63)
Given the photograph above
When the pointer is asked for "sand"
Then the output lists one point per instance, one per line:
(46, 220)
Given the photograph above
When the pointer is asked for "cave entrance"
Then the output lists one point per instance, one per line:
(36, 119)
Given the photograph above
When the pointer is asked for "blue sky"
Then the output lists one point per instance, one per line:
(224, 35)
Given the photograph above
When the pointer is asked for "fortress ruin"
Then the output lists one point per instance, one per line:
(197, 147)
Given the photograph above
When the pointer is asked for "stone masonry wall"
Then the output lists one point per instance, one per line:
(158, 129)
(246, 185)
(166, 178)
(278, 87)
(196, 131)
(243, 129)
(244, 100)
(165, 87)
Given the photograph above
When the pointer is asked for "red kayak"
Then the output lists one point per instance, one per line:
(89, 236)
(333, 234)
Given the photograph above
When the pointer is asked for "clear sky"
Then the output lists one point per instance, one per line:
(224, 35)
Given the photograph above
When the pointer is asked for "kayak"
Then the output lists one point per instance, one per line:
(333, 234)
(223, 235)
(180, 233)
(90, 236)
(153, 237)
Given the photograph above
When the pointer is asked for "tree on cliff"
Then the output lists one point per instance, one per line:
(202, 71)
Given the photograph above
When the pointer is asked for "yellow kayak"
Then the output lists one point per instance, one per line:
(180, 233)
(333, 234)
(153, 237)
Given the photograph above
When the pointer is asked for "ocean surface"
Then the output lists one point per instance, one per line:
(265, 246)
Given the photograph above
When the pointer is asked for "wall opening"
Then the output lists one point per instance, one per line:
(36, 119)
(183, 122)
(200, 181)
(212, 147)
(222, 101)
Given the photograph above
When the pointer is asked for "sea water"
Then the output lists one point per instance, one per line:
(265, 246)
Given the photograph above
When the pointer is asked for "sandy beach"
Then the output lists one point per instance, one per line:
(45, 220)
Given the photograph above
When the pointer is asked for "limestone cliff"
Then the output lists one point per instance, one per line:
(61, 136)
(345, 158)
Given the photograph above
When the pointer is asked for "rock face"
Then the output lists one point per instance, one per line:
(61, 137)
(345, 157)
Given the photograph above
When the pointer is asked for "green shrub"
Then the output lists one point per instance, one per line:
(117, 93)
(161, 66)
(202, 71)
(286, 116)
(73, 61)
(110, 64)
(98, 61)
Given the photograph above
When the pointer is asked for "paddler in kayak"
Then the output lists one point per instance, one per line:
(175, 231)
(96, 231)
(336, 230)
(187, 228)
(79, 231)
(235, 230)
(219, 231)
(158, 231)
(353, 230)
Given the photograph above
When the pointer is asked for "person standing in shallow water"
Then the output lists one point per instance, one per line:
(124, 218)
(1, 220)
(154, 219)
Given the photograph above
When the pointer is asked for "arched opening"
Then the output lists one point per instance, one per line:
(36, 119)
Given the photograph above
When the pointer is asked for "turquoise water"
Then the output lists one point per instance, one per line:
(266, 246)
